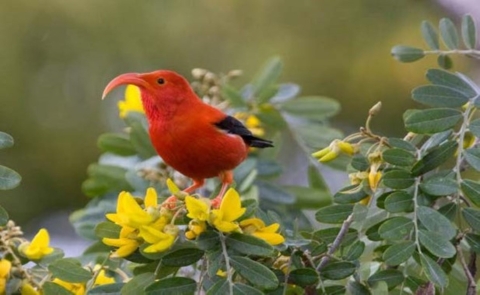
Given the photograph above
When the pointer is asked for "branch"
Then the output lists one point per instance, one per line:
(336, 243)
(471, 285)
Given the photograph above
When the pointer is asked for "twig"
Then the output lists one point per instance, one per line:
(471, 285)
(227, 263)
(203, 271)
(336, 243)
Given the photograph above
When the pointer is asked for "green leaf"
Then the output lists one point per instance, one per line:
(267, 77)
(274, 193)
(6, 140)
(254, 272)
(395, 228)
(303, 277)
(111, 176)
(436, 140)
(328, 235)
(355, 251)
(448, 79)
(139, 136)
(208, 240)
(4, 218)
(434, 272)
(311, 107)
(400, 144)
(115, 143)
(286, 91)
(474, 241)
(436, 222)
(359, 162)
(430, 35)
(113, 289)
(436, 244)
(399, 201)
(472, 217)
(8, 178)
(220, 287)
(439, 96)
(471, 189)
(107, 229)
(182, 257)
(444, 61)
(436, 157)
(449, 210)
(350, 194)
(315, 179)
(138, 284)
(439, 186)
(233, 96)
(472, 156)
(249, 245)
(242, 289)
(334, 213)
(50, 288)
(399, 253)
(406, 53)
(69, 270)
(337, 270)
(431, 121)
(469, 32)
(449, 33)
(169, 286)
(474, 127)
(398, 179)
(398, 157)
(392, 277)
(308, 198)
(356, 288)
(332, 290)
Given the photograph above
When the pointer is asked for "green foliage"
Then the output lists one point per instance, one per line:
(8, 178)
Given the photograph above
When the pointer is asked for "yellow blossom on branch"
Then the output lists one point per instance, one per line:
(27, 289)
(75, 288)
(38, 247)
(333, 151)
(197, 208)
(230, 210)
(132, 102)
(129, 213)
(159, 240)
(127, 242)
(256, 227)
(5, 267)
(103, 279)
(195, 228)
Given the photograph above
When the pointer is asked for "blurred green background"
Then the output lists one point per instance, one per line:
(56, 57)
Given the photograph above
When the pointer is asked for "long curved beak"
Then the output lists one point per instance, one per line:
(124, 79)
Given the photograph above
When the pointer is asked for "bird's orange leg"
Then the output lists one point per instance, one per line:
(226, 178)
(172, 200)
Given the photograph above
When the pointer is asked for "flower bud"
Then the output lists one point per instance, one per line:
(198, 73)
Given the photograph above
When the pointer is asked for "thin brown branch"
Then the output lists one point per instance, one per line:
(336, 243)
(471, 285)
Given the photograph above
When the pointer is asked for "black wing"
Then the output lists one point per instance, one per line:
(234, 126)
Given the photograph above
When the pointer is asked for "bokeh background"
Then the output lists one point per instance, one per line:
(56, 56)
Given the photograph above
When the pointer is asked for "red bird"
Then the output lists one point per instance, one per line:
(194, 138)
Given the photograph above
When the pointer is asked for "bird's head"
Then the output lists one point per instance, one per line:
(159, 88)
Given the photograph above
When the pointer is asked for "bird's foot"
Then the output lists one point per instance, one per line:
(216, 201)
(170, 203)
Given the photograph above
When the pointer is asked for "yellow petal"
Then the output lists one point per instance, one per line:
(5, 267)
(197, 209)
(272, 228)
(151, 198)
(151, 235)
(126, 250)
(271, 238)
(27, 289)
(319, 154)
(39, 247)
(172, 187)
(161, 245)
(103, 279)
(132, 102)
(256, 222)
(231, 206)
(225, 226)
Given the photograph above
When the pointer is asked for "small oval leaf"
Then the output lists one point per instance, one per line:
(449, 33)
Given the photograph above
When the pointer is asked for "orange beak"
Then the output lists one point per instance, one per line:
(125, 79)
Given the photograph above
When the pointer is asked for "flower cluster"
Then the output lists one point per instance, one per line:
(225, 219)
(335, 148)
(138, 225)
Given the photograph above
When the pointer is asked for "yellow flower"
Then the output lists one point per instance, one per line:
(103, 279)
(38, 247)
(374, 178)
(159, 240)
(5, 267)
(229, 211)
(333, 150)
(27, 289)
(256, 227)
(132, 102)
(127, 242)
(75, 288)
(251, 122)
(197, 208)
(195, 227)
(172, 187)
(129, 213)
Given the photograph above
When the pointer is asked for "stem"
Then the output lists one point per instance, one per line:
(227, 263)
(415, 218)
(285, 282)
(95, 275)
(336, 243)
(471, 52)
(471, 285)
(203, 271)
(157, 269)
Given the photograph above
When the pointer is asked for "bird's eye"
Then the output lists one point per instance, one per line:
(161, 81)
